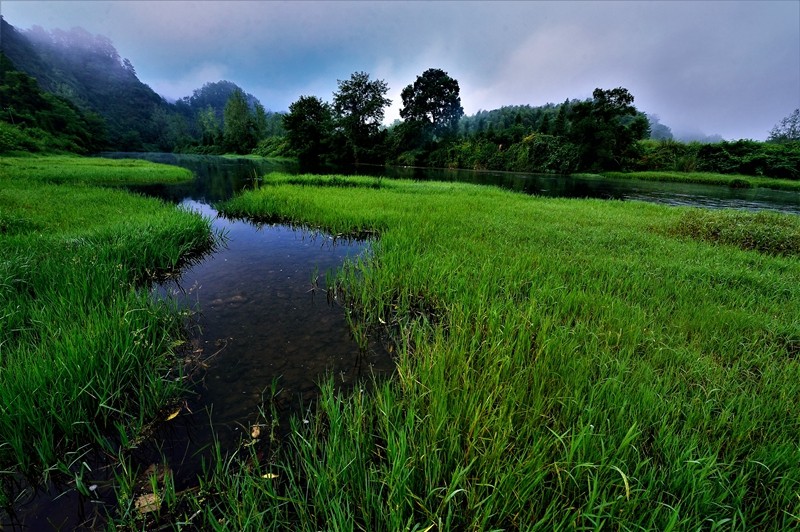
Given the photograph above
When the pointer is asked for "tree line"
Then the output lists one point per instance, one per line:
(604, 132)
(73, 92)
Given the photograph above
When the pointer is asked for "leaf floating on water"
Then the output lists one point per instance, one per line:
(269, 476)
(148, 502)
(173, 415)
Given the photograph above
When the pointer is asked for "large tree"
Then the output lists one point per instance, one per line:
(359, 106)
(433, 100)
(308, 126)
(787, 130)
(605, 129)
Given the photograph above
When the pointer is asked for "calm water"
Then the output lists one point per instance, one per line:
(219, 178)
(262, 318)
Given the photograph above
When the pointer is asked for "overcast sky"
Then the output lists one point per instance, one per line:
(716, 67)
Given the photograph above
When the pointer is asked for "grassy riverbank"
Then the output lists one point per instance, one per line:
(84, 351)
(572, 364)
(89, 170)
(709, 178)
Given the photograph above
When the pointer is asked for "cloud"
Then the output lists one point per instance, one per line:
(721, 67)
(175, 88)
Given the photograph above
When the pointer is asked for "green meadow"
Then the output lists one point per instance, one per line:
(87, 356)
(561, 364)
(710, 178)
(55, 169)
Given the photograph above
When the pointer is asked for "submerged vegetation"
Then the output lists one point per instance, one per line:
(85, 353)
(561, 363)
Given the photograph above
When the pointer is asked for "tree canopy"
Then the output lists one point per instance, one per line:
(308, 125)
(433, 99)
(239, 131)
(787, 130)
(359, 105)
(605, 129)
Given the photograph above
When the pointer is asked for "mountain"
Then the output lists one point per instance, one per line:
(37, 121)
(87, 70)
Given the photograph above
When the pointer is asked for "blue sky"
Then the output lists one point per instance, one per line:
(715, 67)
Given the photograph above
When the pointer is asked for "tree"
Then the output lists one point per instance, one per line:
(239, 131)
(259, 121)
(787, 130)
(209, 126)
(606, 128)
(359, 106)
(433, 100)
(308, 127)
(658, 131)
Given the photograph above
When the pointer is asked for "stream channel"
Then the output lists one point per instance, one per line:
(266, 330)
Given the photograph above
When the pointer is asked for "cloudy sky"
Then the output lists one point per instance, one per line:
(715, 67)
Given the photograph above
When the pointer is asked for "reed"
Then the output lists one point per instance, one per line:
(561, 363)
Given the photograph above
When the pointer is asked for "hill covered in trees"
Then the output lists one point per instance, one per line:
(87, 72)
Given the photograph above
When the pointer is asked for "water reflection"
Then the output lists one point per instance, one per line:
(219, 178)
(262, 318)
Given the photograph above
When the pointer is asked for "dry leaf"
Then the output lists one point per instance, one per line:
(173, 415)
(255, 432)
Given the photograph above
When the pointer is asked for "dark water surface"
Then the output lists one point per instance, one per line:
(264, 328)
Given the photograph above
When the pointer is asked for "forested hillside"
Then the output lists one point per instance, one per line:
(88, 72)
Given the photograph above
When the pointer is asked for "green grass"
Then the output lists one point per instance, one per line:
(88, 170)
(764, 231)
(561, 364)
(708, 178)
(85, 352)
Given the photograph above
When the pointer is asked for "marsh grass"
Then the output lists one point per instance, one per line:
(709, 178)
(86, 355)
(88, 170)
(560, 364)
(766, 232)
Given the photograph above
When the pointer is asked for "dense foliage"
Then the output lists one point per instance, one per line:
(359, 104)
(35, 121)
(433, 102)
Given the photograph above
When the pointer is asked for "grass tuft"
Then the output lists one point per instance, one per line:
(765, 232)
